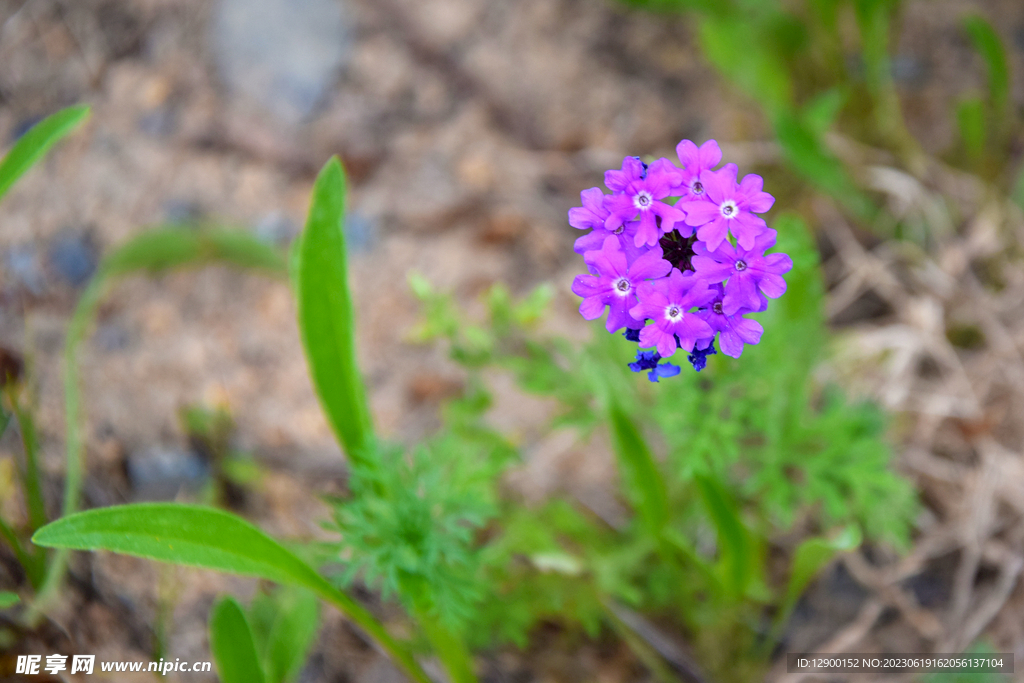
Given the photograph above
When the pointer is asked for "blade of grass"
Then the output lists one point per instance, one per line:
(736, 555)
(644, 482)
(35, 143)
(990, 47)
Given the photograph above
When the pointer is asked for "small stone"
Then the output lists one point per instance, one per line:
(284, 54)
(182, 211)
(360, 232)
(161, 472)
(158, 123)
(111, 338)
(25, 270)
(73, 257)
(276, 228)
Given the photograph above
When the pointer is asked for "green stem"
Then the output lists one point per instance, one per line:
(30, 474)
(451, 650)
(28, 562)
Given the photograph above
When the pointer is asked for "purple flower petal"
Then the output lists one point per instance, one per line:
(700, 211)
(714, 233)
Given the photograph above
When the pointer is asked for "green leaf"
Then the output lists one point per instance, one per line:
(208, 538)
(292, 633)
(326, 318)
(644, 483)
(1017, 193)
(35, 143)
(8, 599)
(182, 534)
(808, 559)
(815, 553)
(232, 646)
(165, 248)
(821, 112)
(970, 117)
(734, 545)
(986, 42)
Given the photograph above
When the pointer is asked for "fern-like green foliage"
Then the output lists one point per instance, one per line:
(410, 524)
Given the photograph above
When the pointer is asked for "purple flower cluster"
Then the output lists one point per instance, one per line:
(676, 274)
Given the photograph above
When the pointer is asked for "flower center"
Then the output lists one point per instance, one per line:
(618, 230)
(741, 265)
(643, 200)
(697, 188)
(728, 208)
(717, 307)
(622, 285)
(673, 312)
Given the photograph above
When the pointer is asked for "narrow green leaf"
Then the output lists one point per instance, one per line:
(30, 474)
(35, 143)
(292, 635)
(326, 318)
(8, 599)
(821, 112)
(815, 553)
(970, 117)
(232, 646)
(734, 545)
(212, 539)
(168, 247)
(1017, 193)
(182, 534)
(644, 483)
(990, 47)
(808, 559)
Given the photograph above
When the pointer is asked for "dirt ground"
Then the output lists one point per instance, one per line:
(468, 129)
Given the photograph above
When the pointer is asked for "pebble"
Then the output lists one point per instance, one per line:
(73, 257)
(182, 211)
(275, 228)
(161, 472)
(110, 337)
(360, 232)
(25, 269)
(284, 54)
